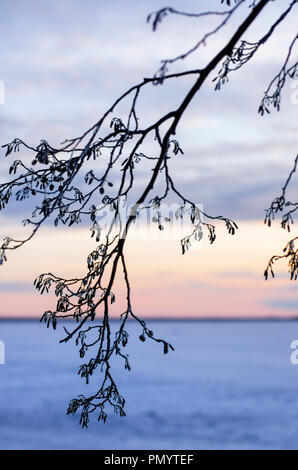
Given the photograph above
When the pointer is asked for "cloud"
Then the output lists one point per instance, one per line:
(282, 303)
(10, 286)
(236, 274)
(64, 63)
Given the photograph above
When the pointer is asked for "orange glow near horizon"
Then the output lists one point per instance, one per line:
(222, 280)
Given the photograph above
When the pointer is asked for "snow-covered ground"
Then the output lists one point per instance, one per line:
(228, 385)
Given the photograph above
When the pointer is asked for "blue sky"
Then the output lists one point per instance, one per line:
(64, 62)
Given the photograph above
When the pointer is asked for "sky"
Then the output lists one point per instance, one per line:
(64, 62)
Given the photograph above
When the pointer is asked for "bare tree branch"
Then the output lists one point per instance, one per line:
(56, 180)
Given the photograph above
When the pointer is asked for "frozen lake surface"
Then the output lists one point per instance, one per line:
(228, 385)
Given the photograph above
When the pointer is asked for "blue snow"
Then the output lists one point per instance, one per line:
(227, 385)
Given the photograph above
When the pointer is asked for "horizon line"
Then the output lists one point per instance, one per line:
(170, 319)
